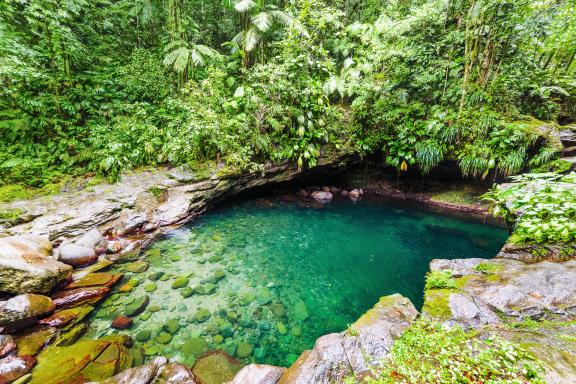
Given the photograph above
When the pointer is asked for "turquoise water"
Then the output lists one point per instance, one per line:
(273, 276)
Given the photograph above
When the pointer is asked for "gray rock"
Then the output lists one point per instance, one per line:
(258, 374)
(90, 239)
(174, 374)
(183, 174)
(77, 255)
(515, 289)
(26, 265)
(23, 308)
(356, 351)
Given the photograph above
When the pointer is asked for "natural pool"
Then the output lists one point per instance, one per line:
(263, 278)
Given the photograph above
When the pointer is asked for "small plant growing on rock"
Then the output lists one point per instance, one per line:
(440, 280)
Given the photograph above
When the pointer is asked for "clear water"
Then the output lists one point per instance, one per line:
(293, 271)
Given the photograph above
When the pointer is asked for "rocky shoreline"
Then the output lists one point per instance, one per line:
(48, 292)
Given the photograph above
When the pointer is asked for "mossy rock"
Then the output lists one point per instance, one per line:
(150, 287)
(155, 276)
(144, 336)
(175, 258)
(202, 315)
(218, 339)
(172, 326)
(245, 298)
(180, 282)
(209, 288)
(215, 259)
(244, 350)
(436, 304)
(137, 307)
(187, 292)
(219, 274)
(154, 308)
(195, 346)
(216, 368)
(263, 296)
(163, 338)
(138, 266)
(281, 327)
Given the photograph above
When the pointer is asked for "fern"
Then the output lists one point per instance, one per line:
(428, 155)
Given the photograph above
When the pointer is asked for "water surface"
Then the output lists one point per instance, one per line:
(274, 275)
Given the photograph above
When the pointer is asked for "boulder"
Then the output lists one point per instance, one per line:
(321, 196)
(26, 265)
(14, 367)
(258, 374)
(356, 351)
(22, 309)
(91, 239)
(77, 255)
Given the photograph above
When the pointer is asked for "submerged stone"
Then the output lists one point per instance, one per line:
(155, 276)
(281, 327)
(180, 282)
(216, 368)
(187, 292)
(195, 346)
(143, 336)
(163, 338)
(300, 311)
(244, 350)
(209, 288)
(138, 266)
(150, 287)
(202, 315)
(172, 326)
(137, 307)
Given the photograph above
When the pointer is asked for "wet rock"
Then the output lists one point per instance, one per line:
(33, 339)
(300, 311)
(163, 338)
(85, 360)
(66, 316)
(281, 327)
(23, 309)
(258, 374)
(195, 346)
(143, 336)
(355, 194)
(172, 326)
(137, 306)
(150, 287)
(180, 282)
(202, 315)
(94, 279)
(321, 196)
(137, 266)
(244, 350)
(139, 375)
(14, 367)
(80, 296)
(114, 247)
(121, 322)
(91, 239)
(7, 345)
(187, 292)
(209, 288)
(175, 374)
(155, 276)
(354, 352)
(99, 265)
(216, 368)
(26, 265)
(77, 255)
(345, 193)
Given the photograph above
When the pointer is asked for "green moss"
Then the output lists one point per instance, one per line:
(429, 353)
(13, 192)
(440, 280)
(436, 303)
(488, 268)
(458, 197)
(10, 214)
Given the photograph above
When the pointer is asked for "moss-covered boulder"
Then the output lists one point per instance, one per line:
(137, 307)
(216, 368)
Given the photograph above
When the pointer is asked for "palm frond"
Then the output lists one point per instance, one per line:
(251, 39)
(262, 21)
(244, 5)
(281, 17)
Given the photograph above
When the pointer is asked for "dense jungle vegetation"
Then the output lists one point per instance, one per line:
(101, 86)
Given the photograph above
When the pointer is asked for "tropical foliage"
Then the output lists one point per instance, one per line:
(105, 86)
(541, 206)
